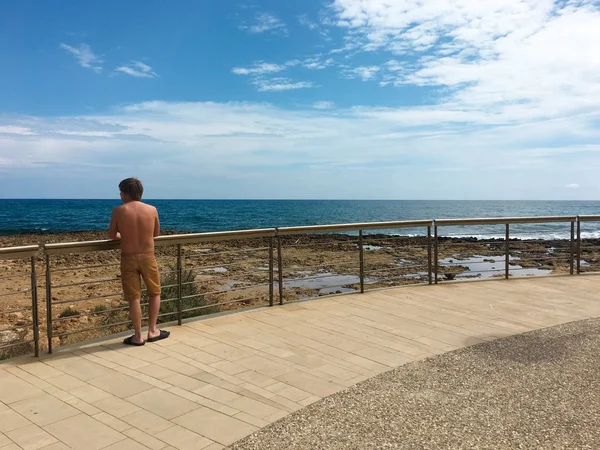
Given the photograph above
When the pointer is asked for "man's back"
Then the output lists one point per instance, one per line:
(138, 225)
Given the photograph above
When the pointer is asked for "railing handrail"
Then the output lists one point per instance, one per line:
(195, 238)
(25, 251)
(174, 239)
(80, 247)
(589, 218)
(353, 227)
(504, 220)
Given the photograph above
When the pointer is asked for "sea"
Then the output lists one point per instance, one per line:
(55, 216)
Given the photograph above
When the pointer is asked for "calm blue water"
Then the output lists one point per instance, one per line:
(52, 216)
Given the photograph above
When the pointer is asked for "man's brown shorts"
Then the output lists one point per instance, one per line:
(134, 265)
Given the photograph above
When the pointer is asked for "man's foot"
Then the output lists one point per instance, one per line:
(159, 335)
(132, 341)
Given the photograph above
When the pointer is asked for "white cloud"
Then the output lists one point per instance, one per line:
(137, 69)
(11, 129)
(316, 26)
(403, 25)
(515, 59)
(266, 22)
(293, 63)
(85, 56)
(264, 84)
(317, 63)
(323, 105)
(260, 150)
(281, 84)
(82, 134)
(305, 21)
(259, 69)
(572, 186)
(362, 72)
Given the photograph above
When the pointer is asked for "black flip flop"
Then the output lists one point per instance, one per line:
(162, 335)
(130, 341)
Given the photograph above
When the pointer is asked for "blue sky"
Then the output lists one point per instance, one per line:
(396, 99)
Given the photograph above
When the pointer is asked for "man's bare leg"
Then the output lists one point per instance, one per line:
(153, 309)
(135, 312)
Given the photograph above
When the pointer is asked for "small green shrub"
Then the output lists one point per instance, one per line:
(189, 288)
(168, 308)
(69, 312)
(100, 308)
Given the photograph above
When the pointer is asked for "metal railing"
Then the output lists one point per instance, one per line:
(26, 256)
(361, 266)
(505, 241)
(587, 255)
(212, 272)
(182, 270)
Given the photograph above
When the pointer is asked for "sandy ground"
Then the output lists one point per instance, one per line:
(235, 274)
(536, 390)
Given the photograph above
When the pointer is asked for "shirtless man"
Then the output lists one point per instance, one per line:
(136, 225)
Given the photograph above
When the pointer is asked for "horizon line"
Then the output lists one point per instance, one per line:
(310, 199)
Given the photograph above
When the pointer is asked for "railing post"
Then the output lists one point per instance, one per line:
(271, 275)
(435, 252)
(179, 286)
(361, 251)
(34, 309)
(280, 268)
(507, 253)
(49, 303)
(429, 254)
(578, 246)
(572, 250)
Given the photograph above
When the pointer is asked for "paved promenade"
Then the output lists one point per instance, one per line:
(218, 380)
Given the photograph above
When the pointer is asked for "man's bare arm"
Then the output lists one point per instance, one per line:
(113, 230)
(156, 225)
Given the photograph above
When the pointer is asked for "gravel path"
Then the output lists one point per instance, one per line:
(535, 390)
